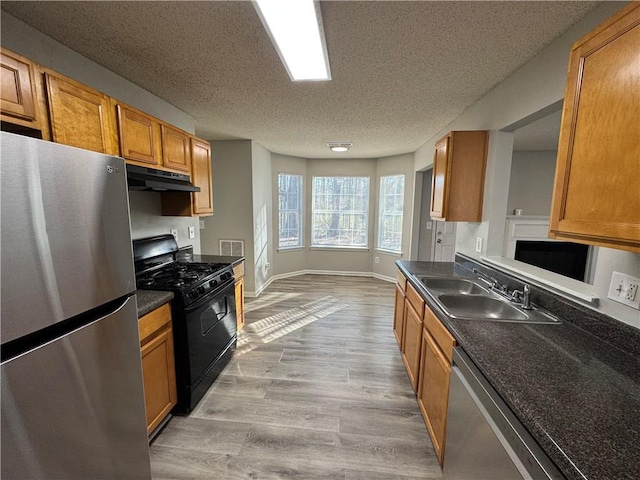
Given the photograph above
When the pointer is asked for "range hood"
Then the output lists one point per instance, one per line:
(143, 178)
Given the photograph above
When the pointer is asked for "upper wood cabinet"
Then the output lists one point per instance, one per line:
(18, 98)
(176, 149)
(597, 184)
(202, 201)
(79, 115)
(458, 176)
(139, 136)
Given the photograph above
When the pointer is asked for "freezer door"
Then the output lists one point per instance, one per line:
(74, 408)
(65, 237)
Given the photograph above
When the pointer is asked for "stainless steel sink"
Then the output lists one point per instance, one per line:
(459, 286)
(484, 307)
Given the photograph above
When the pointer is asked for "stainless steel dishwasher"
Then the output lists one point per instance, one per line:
(484, 439)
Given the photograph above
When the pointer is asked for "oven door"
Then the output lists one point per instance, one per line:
(210, 330)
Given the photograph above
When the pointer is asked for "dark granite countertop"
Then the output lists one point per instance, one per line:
(149, 300)
(576, 393)
(225, 259)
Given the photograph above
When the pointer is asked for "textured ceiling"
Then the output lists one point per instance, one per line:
(401, 70)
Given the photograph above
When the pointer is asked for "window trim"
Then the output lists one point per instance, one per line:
(300, 244)
(367, 214)
(380, 214)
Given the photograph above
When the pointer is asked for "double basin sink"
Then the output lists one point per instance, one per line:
(466, 299)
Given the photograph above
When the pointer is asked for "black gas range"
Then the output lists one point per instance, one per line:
(203, 312)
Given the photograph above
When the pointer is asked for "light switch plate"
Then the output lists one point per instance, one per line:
(624, 289)
(192, 232)
(174, 232)
(479, 244)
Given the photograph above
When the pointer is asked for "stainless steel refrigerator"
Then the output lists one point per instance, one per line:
(71, 375)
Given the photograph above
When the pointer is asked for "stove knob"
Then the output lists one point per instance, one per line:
(201, 290)
(213, 283)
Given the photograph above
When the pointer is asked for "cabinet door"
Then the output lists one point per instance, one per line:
(176, 149)
(201, 177)
(411, 343)
(438, 181)
(239, 293)
(398, 316)
(139, 136)
(433, 392)
(79, 116)
(597, 185)
(18, 96)
(158, 372)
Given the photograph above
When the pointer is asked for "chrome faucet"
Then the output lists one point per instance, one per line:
(492, 282)
(523, 297)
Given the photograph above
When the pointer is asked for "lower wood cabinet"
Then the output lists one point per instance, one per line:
(411, 343)
(434, 377)
(238, 273)
(158, 365)
(398, 315)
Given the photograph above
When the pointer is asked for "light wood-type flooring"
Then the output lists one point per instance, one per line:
(316, 390)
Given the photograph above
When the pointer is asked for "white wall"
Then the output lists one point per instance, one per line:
(397, 164)
(425, 235)
(262, 215)
(288, 260)
(532, 92)
(232, 202)
(531, 183)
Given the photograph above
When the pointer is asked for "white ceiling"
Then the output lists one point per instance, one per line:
(401, 71)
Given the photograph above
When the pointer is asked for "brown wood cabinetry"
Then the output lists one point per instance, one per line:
(18, 95)
(202, 201)
(158, 367)
(435, 373)
(398, 313)
(597, 184)
(238, 273)
(139, 136)
(412, 334)
(79, 115)
(458, 176)
(176, 149)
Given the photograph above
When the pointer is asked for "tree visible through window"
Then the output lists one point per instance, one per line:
(390, 212)
(340, 211)
(290, 210)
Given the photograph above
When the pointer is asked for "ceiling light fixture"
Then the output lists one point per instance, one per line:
(295, 28)
(339, 146)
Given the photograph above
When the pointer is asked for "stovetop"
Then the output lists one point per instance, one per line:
(188, 281)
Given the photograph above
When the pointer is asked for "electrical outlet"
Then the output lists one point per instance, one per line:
(267, 266)
(174, 232)
(479, 244)
(376, 259)
(429, 225)
(624, 289)
(192, 232)
(201, 224)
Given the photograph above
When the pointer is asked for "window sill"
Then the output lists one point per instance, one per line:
(389, 252)
(290, 249)
(340, 249)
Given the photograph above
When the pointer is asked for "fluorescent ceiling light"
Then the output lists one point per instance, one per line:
(339, 146)
(295, 28)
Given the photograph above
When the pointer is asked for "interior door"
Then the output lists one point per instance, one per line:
(444, 243)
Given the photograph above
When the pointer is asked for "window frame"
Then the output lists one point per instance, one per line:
(299, 211)
(365, 213)
(382, 213)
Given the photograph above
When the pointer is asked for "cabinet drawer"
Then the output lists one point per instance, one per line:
(238, 270)
(153, 321)
(401, 280)
(415, 300)
(439, 332)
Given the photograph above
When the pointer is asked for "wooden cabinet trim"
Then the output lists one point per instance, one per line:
(398, 315)
(239, 296)
(151, 322)
(576, 213)
(439, 333)
(238, 270)
(415, 299)
(401, 280)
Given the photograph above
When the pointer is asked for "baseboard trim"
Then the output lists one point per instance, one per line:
(317, 272)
